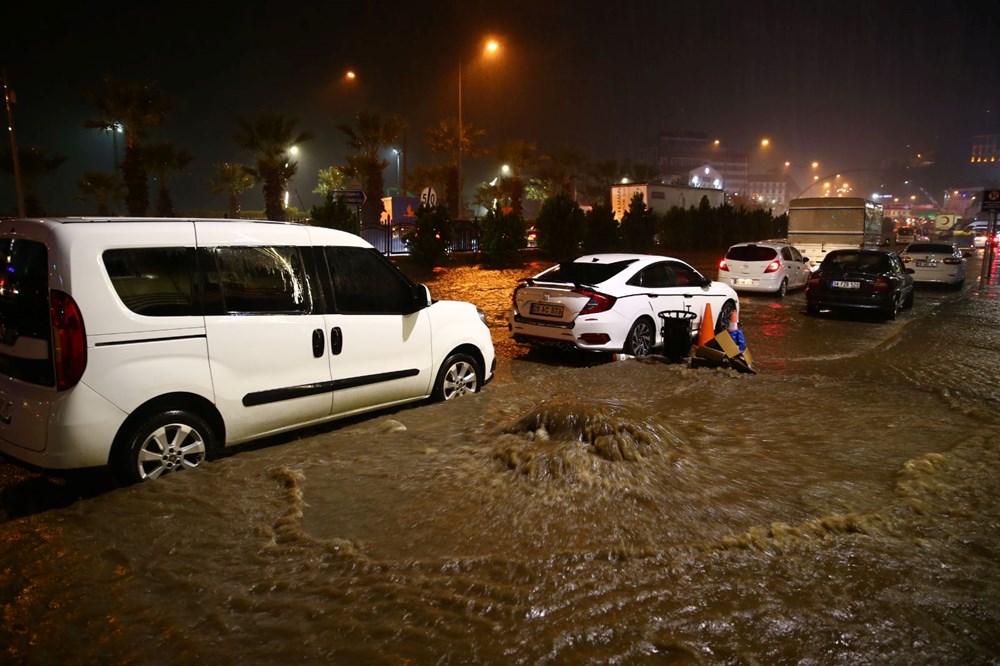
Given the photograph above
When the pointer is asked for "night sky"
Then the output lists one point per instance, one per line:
(851, 84)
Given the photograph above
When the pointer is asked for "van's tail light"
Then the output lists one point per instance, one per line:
(598, 302)
(69, 340)
(773, 266)
(882, 285)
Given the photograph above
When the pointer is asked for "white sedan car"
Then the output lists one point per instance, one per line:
(612, 303)
(935, 261)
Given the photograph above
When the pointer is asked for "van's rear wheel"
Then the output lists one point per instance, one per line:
(163, 443)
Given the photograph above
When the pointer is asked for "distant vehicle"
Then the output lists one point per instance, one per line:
(905, 235)
(612, 302)
(818, 225)
(865, 280)
(771, 266)
(935, 261)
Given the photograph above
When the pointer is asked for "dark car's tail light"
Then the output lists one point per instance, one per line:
(882, 285)
(813, 283)
(773, 266)
(598, 302)
(69, 340)
(723, 266)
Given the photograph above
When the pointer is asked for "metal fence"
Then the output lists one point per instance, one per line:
(389, 239)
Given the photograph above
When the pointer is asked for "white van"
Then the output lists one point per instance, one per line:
(149, 345)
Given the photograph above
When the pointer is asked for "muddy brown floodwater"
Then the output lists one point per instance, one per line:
(842, 506)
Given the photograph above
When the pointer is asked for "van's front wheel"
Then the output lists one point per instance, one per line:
(459, 375)
(162, 443)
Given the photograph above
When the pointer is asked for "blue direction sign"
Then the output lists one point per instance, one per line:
(351, 197)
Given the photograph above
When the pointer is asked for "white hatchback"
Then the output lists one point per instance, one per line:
(148, 345)
(612, 303)
(773, 267)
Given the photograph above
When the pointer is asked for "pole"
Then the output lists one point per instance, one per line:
(988, 251)
(458, 213)
(8, 96)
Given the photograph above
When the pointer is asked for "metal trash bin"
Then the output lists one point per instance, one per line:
(676, 331)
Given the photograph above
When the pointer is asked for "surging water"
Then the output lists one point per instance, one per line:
(841, 506)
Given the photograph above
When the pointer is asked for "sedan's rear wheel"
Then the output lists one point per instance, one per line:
(640, 339)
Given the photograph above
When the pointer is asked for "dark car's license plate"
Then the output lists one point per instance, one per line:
(845, 284)
(546, 309)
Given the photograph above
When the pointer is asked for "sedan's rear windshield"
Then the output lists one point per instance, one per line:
(857, 261)
(585, 273)
(751, 253)
(935, 248)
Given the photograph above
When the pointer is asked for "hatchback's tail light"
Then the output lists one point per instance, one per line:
(598, 302)
(723, 266)
(773, 266)
(69, 340)
(882, 285)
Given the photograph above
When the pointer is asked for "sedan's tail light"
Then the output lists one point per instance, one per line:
(69, 340)
(882, 285)
(598, 302)
(773, 266)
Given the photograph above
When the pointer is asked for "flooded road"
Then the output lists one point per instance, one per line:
(842, 506)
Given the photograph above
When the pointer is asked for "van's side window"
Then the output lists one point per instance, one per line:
(260, 280)
(154, 281)
(365, 283)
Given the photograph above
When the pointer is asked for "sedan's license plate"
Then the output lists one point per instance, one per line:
(845, 284)
(745, 282)
(546, 310)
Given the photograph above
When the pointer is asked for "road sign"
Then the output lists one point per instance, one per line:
(429, 197)
(991, 200)
(351, 197)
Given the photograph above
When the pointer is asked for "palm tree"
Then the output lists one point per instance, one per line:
(231, 180)
(101, 187)
(137, 108)
(332, 179)
(520, 156)
(600, 177)
(443, 140)
(34, 166)
(162, 160)
(371, 134)
(270, 137)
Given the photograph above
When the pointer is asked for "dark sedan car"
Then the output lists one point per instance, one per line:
(866, 280)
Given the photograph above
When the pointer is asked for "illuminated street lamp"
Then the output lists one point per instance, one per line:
(491, 48)
(399, 174)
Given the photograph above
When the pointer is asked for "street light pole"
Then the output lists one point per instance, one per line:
(399, 173)
(8, 96)
(459, 184)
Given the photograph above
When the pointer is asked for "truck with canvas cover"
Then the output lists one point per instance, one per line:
(818, 225)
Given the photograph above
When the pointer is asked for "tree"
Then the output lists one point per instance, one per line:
(560, 227)
(520, 156)
(34, 166)
(162, 160)
(443, 139)
(431, 236)
(502, 235)
(100, 187)
(135, 108)
(600, 230)
(638, 225)
(334, 178)
(600, 177)
(371, 134)
(270, 137)
(231, 180)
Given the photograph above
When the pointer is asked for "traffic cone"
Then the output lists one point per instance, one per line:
(734, 322)
(707, 333)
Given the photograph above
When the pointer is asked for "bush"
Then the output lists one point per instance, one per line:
(501, 236)
(431, 236)
(638, 226)
(335, 214)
